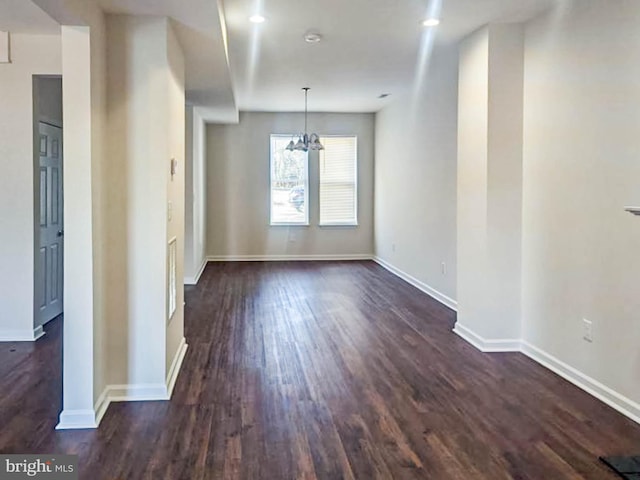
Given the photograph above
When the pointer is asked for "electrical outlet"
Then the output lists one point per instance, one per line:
(587, 330)
(444, 268)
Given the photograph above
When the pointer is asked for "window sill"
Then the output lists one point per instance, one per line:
(278, 224)
(338, 225)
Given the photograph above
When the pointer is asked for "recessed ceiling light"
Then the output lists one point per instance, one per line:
(257, 18)
(312, 37)
(431, 22)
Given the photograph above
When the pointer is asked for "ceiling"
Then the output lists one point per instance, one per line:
(20, 16)
(199, 26)
(369, 47)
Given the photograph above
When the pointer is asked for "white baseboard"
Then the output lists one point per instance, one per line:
(194, 280)
(120, 393)
(287, 258)
(101, 405)
(81, 419)
(432, 292)
(38, 332)
(150, 391)
(26, 335)
(176, 365)
(77, 420)
(487, 345)
(141, 392)
(615, 400)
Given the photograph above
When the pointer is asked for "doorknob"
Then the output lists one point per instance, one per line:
(60, 233)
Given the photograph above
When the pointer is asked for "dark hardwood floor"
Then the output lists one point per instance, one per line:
(322, 370)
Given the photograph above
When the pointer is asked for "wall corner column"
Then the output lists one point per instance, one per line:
(78, 366)
(490, 187)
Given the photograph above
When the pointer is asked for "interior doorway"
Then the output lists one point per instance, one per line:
(48, 200)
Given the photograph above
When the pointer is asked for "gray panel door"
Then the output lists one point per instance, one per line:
(48, 264)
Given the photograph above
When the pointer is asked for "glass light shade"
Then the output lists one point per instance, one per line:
(300, 145)
(314, 142)
(291, 147)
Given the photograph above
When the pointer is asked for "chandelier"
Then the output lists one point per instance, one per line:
(305, 142)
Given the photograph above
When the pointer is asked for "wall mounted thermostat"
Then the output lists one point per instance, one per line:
(174, 166)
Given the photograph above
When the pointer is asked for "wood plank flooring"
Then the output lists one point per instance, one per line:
(328, 370)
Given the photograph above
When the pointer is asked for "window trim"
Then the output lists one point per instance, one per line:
(306, 222)
(355, 223)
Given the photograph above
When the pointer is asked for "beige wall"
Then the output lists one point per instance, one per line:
(195, 195)
(581, 166)
(102, 215)
(31, 55)
(415, 171)
(175, 131)
(146, 129)
(238, 189)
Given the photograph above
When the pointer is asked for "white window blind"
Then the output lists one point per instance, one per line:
(338, 181)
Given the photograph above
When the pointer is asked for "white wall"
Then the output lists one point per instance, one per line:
(31, 55)
(415, 172)
(146, 129)
(195, 196)
(504, 203)
(473, 124)
(581, 166)
(490, 184)
(238, 188)
(83, 95)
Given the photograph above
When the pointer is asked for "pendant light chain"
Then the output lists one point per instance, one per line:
(306, 95)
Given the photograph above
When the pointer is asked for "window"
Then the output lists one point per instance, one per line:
(338, 181)
(289, 183)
